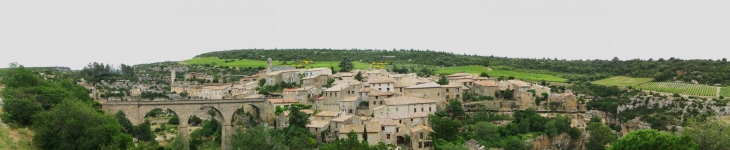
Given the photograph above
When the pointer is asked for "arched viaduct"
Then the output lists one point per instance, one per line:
(136, 111)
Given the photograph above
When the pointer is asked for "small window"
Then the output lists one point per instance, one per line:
(388, 136)
(447, 90)
(397, 129)
(387, 89)
(421, 109)
(420, 135)
(400, 121)
(429, 109)
(401, 89)
(420, 144)
(414, 109)
(382, 128)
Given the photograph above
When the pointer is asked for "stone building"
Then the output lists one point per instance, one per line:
(487, 88)
(196, 75)
(284, 102)
(420, 138)
(405, 105)
(215, 92)
(372, 131)
(382, 84)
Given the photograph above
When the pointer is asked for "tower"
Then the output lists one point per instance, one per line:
(268, 66)
(172, 76)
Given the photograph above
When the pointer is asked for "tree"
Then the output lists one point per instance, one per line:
(484, 74)
(543, 83)
(652, 139)
(127, 126)
(259, 137)
(444, 128)
(600, 135)
(333, 69)
(514, 143)
(143, 132)
(128, 72)
(75, 125)
(174, 119)
(511, 78)
(346, 65)
(358, 76)
(508, 94)
(443, 80)
(179, 142)
(365, 133)
(298, 118)
(262, 82)
(710, 134)
(487, 132)
(349, 143)
(455, 109)
(19, 111)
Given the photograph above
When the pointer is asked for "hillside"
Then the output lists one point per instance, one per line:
(702, 71)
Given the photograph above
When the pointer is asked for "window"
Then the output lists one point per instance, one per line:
(375, 103)
(421, 109)
(387, 89)
(420, 144)
(397, 129)
(429, 109)
(400, 121)
(380, 89)
(420, 135)
(396, 109)
(382, 128)
(401, 89)
(315, 129)
(388, 136)
(381, 102)
(447, 90)
(414, 109)
(376, 97)
(426, 144)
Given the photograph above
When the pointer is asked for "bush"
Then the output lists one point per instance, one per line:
(574, 133)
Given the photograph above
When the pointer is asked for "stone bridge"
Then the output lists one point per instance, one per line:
(136, 111)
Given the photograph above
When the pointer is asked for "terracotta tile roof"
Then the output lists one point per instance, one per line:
(379, 93)
(379, 107)
(459, 75)
(342, 118)
(373, 127)
(408, 115)
(382, 80)
(337, 88)
(308, 111)
(421, 128)
(519, 83)
(317, 123)
(384, 121)
(285, 100)
(327, 113)
(290, 90)
(365, 90)
(406, 100)
(485, 83)
(349, 99)
(425, 85)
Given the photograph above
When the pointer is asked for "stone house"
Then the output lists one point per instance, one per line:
(318, 71)
(387, 130)
(327, 115)
(215, 92)
(349, 104)
(339, 122)
(440, 93)
(316, 127)
(405, 122)
(382, 84)
(196, 75)
(288, 76)
(373, 131)
(332, 97)
(486, 88)
(420, 138)
(405, 105)
(285, 102)
(315, 80)
(193, 90)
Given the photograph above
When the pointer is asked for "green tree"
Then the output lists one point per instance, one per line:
(127, 126)
(19, 111)
(550, 128)
(484, 74)
(174, 119)
(346, 65)
(365, 134)
(652, 139)
(259, 137)
(143, 132)
(445, 128)
(508, 94)
(443, 80)
(358, 76)
(75, 125)
(128, 72)
(600, 135)
(514, 143)
(455, 109)
(297, 118)
(179, 142)
(262, 82)
(487, 132)
(710, 134)
(349, 143)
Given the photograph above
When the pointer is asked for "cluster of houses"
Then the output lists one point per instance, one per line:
(391, 108)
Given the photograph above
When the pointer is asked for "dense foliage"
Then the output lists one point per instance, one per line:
(652, 139)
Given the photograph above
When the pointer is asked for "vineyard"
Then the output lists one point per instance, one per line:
(622, 81)
(680, 88)
(500, 72)
(725, 92)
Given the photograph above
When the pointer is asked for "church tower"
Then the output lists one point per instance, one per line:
(268, 66)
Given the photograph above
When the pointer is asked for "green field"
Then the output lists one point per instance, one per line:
(506, 73)
(725, 92)
(258, 63)
(622, 81)
(680, 88)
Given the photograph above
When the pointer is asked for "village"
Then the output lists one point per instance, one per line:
(392, 108)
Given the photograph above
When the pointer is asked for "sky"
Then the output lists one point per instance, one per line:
(74, 33)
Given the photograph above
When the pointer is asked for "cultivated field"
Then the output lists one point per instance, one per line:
(506, 73)
(680, 88)
(258, 63)
(622, 81)
(725, 92)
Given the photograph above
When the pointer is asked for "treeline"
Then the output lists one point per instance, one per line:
(703, 71)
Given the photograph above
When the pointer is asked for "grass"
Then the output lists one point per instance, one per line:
(259, 63)
(19, 138)
(680, 88)
(622, 81)
(506, 73)
(725, 92)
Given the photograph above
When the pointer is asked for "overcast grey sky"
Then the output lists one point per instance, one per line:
(75, 32)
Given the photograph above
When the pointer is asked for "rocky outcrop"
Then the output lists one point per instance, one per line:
(559, 142)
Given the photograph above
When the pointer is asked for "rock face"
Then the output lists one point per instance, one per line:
(559, 142)
(633, 125)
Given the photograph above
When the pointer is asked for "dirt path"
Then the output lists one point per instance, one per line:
(718, 92)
